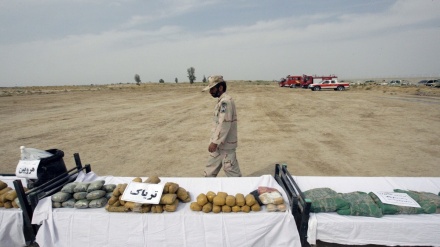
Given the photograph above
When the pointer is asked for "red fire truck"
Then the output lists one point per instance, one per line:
(295, 81)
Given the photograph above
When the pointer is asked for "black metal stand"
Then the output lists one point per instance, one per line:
(299, 205)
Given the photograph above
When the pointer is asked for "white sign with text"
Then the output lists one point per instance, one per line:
(27, 169)
(143, 193)
(399, 199)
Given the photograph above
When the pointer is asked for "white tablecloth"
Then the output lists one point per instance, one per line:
(11, 220)
(11, 227)
(97, 227)
(404, 230)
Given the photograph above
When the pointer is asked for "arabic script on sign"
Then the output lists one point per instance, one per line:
(399, 199)
(27, 169)
(143, 193)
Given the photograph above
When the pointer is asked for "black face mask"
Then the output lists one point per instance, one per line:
(216, 94)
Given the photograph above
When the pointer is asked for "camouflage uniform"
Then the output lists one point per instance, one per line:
(224, 134)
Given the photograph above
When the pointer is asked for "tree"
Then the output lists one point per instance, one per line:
(204, 79)
(176, 80)
(191, 75)
(161, 81)
(137, 78)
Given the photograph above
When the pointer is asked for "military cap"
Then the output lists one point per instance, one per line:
(213, 80)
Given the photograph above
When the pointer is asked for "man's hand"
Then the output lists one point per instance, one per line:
(212, 147)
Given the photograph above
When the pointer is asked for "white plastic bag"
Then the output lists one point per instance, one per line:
(33, 153)
(271, 197)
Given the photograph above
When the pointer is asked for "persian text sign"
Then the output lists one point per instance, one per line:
(143, 193)
(399, 199)
(27, 169)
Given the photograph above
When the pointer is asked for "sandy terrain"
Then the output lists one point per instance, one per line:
(163, 129)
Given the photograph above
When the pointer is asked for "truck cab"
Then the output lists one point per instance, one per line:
(291, 81)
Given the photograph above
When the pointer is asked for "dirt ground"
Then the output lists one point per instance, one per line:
(163, 129)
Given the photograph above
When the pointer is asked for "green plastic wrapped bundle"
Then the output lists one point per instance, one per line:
(429, 202)
(395, 209)
(361, 204)
(325, 200)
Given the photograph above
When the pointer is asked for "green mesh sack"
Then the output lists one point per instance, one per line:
(429, 202)
(361, 204)
(329, 204)
(325, 200)
(319, 193)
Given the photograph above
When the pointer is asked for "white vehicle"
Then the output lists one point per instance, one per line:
(397, 83)
(432, 83)
(329, 84)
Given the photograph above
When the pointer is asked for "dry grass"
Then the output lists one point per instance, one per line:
(10, 91)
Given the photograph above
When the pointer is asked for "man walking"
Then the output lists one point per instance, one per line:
(223, 140)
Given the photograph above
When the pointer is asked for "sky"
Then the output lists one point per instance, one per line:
(81, 42)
